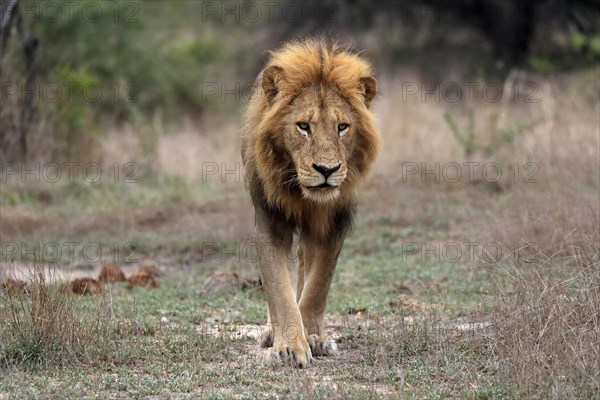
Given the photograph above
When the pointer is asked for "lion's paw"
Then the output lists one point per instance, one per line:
(296, 356)
(322, 346)
(266, 339)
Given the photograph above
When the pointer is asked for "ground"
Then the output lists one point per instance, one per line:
(422, 304)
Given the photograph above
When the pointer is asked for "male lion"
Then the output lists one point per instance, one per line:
(308, 140)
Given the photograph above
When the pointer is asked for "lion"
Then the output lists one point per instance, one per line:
(308, 140)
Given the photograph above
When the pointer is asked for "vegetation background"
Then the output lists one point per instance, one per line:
(483, 285)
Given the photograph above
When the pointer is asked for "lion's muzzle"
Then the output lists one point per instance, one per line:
(326, 173)
(325, 170)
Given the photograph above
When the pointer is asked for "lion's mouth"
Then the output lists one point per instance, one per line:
(323, 193)
(323, 185)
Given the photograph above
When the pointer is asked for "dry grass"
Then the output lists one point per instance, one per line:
(540, 328)
(546, 328)
(544, 339)
(48, 327)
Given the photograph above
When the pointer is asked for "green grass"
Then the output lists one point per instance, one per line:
(376, 266)
(160, 341)
(78, 195)
(117, 218)
(394, 310)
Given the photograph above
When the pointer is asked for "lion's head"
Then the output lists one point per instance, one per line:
(309, 135)
(319, 133)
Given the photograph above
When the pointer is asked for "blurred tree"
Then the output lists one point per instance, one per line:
(10, 15)
(156, 57)
(509, 25)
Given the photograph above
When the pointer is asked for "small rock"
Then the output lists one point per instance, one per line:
(250, 283)
(15, 286)
(151, 269)
(401, 289)
(84, 286)
(111, 273)
(220, 281)
(142, 279)
(356, 311)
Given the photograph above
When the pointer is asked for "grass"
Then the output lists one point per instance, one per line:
(548, 324)
(47, 327)
(162, 343)
(174, 342)
(411, 323)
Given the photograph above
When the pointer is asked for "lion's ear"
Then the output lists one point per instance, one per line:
(270, 78)
(368, 86)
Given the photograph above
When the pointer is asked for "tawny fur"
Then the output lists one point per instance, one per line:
(304, 64)
(303, 181)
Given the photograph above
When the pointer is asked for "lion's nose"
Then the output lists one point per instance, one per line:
(326, 171)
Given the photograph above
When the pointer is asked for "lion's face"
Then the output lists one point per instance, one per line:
(319, 135)
(309, 137)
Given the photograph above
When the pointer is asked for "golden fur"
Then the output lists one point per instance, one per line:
(304, 64)
(308, 140)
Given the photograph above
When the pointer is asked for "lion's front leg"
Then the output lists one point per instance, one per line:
(289, 344)
(320, 259)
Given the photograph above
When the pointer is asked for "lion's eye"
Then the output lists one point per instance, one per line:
(303, 126)
(342, 127)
